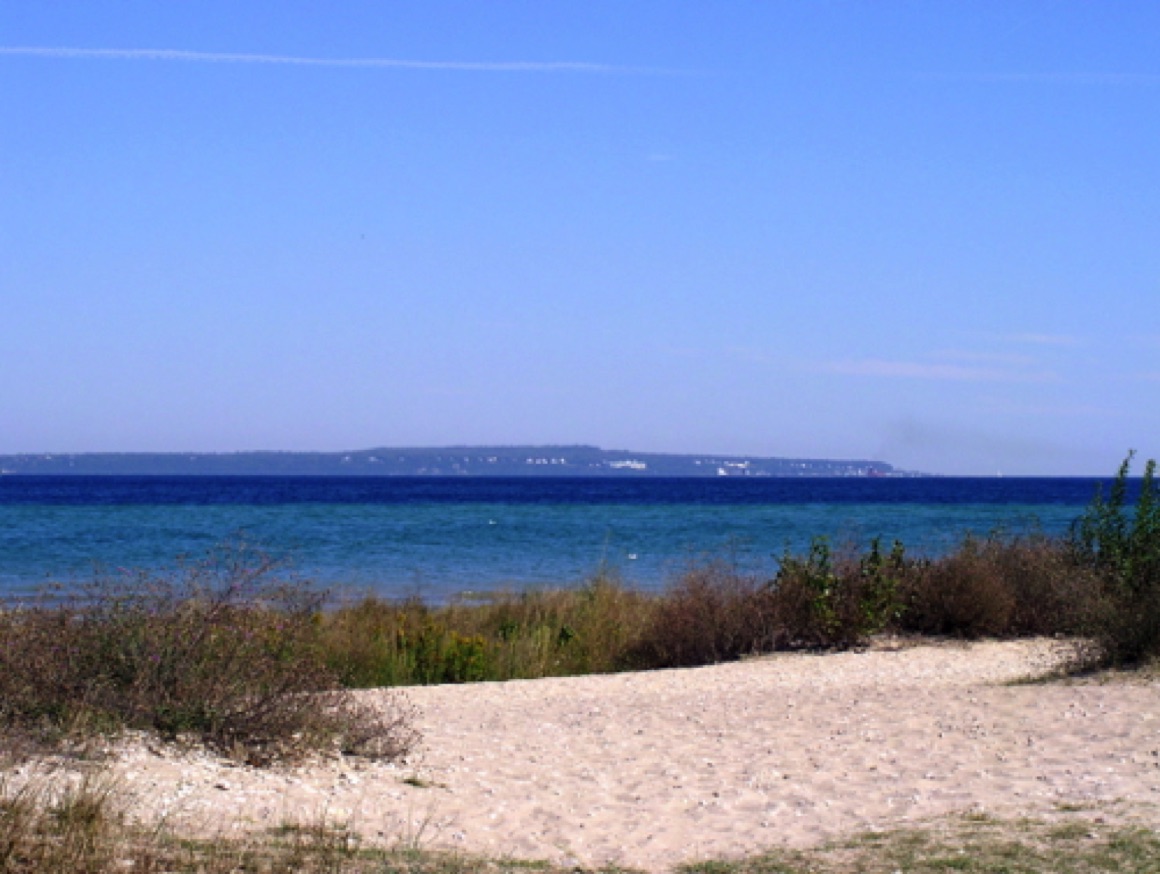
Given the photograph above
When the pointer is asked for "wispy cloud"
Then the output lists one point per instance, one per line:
(1015, 359)
(295, 60)
(1050, 78)
(878, 367)
(1034, 339)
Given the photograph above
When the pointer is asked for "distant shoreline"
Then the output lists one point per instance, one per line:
(456, 461)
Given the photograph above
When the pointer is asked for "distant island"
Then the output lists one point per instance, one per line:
(446, 461)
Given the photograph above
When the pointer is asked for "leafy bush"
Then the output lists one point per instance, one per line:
(820, 600)
(880, 576)
(1121, 545)
(1120, 542)
(220, 650)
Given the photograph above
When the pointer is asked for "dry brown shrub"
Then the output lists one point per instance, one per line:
(711, 613)
(1053, 595)
(1000, 586)
(221, 651)
(961, 595)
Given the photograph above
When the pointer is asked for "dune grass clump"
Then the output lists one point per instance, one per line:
(499, 636)
(47, 828)
(221, 651)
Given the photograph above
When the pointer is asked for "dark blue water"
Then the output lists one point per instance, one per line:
(439, 536)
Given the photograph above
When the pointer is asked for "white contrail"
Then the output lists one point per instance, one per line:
(388, 63)
(1059, 78)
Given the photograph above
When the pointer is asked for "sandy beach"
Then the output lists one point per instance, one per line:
(652, 769)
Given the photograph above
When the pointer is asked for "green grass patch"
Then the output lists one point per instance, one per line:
(976, 845)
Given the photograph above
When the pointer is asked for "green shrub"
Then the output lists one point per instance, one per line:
(823, 600)
(1121, 545)
(805, 592)
(881, 576)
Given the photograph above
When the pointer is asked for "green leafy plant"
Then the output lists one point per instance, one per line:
(880, 579)
(1121, 544)
(806, 591)
(837, 600)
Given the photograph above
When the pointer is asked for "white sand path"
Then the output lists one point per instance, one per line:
(651, 769)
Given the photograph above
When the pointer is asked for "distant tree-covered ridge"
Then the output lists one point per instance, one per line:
(445, 461)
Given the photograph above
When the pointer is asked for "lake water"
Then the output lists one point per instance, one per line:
(441, 536)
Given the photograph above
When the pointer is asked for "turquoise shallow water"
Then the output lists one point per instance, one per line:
(482, 539)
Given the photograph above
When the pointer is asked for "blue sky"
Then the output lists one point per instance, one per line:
(926, 233)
